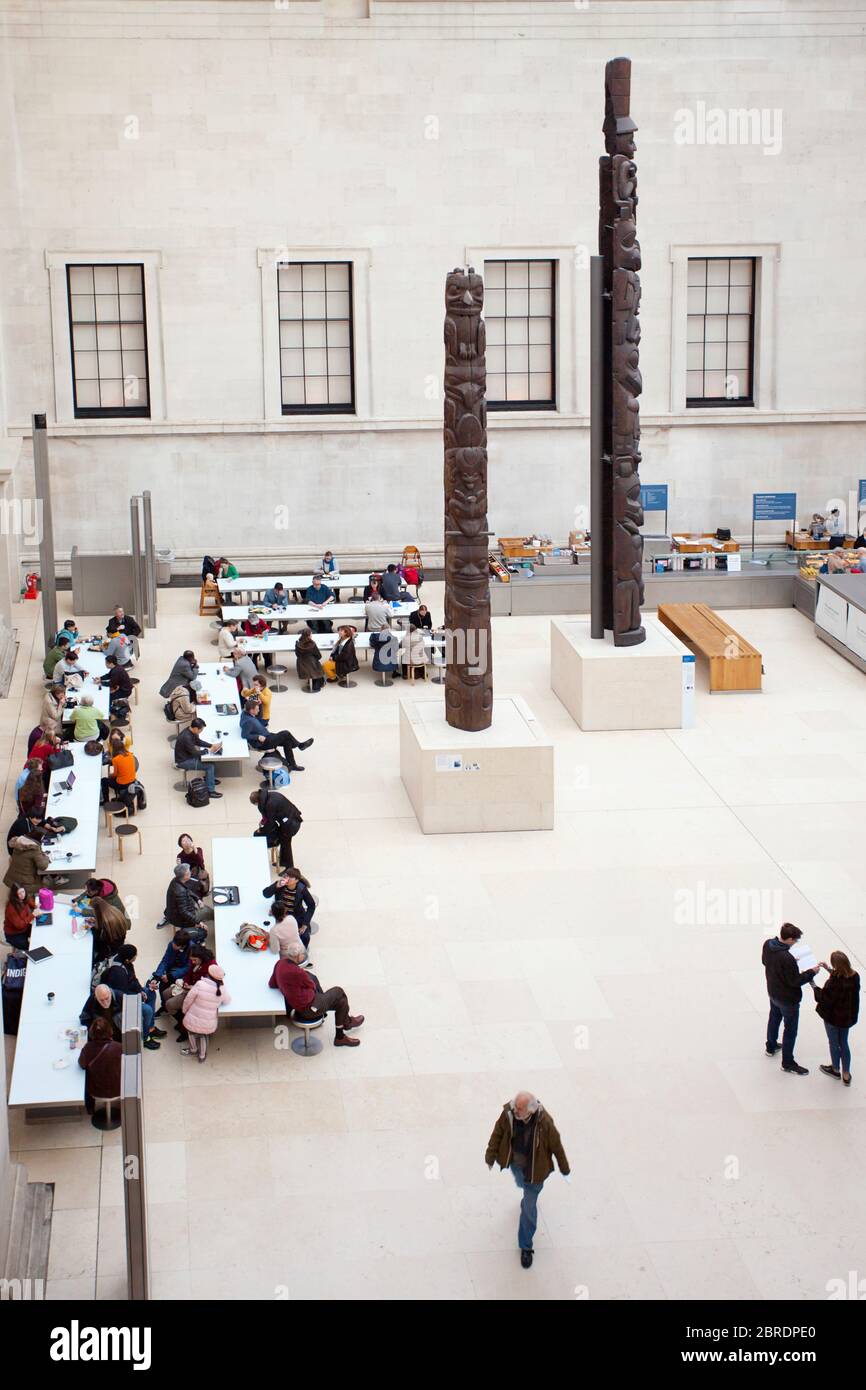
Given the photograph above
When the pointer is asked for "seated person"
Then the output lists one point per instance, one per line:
(243, 669)
(191, 854)
(259, 690)
(285, 933)
(181, 701)
(421, 618)
(292, 890)
(255, 626)
(331, 569)
(227, 641)
(121, 979)
(188, 749)
(56, 653)
(18, 917)
(343, 659)
(32, 768)
(385, 646)
(122, 622)
(27, 863)
(107, 890)
(305, 997)
(183, 905)
(109, 926)
(101, 1059)
(120, 646)
(377, 615)
(51, 714)
(119, 684)
(318, 596)
(225, 569)
(69, 668)
(308, 661)
(276, 597)
(413, 653)
(124, 781)
(261, 741)
(183, 672)
(101, 1004)
(69, 632)
(392, 586)
(87, 721)
(174, 963)
(373, 588)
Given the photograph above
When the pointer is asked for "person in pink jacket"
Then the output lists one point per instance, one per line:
(201, 1008)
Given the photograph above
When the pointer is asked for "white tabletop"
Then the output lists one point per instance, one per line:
(94, 664)
(223, 728)
(243, 863)
(39, 1045)
(285, 642)
(258, 583)
(306, 613)
(77, 851)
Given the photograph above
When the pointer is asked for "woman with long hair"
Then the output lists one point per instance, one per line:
(18, 917)
(838, 1004)
(109, 930)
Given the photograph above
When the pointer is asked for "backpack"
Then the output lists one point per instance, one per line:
(251, 938)
(100, 969)
(281, 777)
(14, 972)
(62, 758)
(197, 793)
(168, 711)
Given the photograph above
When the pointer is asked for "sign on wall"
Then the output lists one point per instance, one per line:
(654, 498)
(774, 506)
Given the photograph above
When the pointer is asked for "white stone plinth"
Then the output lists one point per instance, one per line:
(501, 779)
(608, 687)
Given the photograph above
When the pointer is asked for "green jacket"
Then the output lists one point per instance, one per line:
(52, 659)
(85, 722)
(547, 1144)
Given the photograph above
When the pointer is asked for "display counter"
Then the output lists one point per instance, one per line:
(840, 615)
(555, 594)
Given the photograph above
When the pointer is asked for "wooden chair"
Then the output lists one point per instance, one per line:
(209, 599)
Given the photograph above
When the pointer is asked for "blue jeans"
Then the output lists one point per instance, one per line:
(840, 1052)
(528, 1207)
(790, 1014)
(196, 765)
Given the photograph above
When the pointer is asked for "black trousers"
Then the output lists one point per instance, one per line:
(284, 741)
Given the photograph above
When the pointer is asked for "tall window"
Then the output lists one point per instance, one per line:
(721, 331)
(316, 365)
(519, 311)
(108, 332)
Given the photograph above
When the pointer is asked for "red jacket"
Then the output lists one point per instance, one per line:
(296, 985)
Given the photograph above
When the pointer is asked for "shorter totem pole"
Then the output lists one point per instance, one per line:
(469, 672)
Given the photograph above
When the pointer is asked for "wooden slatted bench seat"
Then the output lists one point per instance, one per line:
(734, 663)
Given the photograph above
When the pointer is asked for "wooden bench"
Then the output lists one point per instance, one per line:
(734, 663)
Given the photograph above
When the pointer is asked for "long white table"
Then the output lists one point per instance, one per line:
(94, 664)
(260, 583)
(36, 1081)
(243, 863)
(306, 613)
(285, 642)
(76, 852)
(225, 728)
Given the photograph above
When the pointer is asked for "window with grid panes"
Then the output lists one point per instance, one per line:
(108, 330)
(316, 365)
(721, 331)
(519, 313)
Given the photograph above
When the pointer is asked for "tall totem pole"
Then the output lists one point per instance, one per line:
(469, 672)
(618, 527)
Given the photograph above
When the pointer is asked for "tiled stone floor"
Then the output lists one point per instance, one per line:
(584, 963)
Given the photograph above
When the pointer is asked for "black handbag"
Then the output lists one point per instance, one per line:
(62, 758)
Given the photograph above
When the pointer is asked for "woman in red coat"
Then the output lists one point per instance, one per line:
(18, 917)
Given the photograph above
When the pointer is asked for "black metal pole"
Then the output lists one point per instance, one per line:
(46, 530)
(596, 444)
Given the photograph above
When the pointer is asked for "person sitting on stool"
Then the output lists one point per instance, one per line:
(303, 994)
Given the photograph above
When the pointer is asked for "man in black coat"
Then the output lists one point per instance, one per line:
(784, 986)
(293, 892)
(122, 622)
(183, 906)
(281, 821)
(119, 683)
(188, 749)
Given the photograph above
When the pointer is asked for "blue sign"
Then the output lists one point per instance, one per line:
(861, 492)
(774, 506)
(654, 497)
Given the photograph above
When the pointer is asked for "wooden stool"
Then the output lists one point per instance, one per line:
(123, 832)
(209, 598)
(278, 672)
(112, 809)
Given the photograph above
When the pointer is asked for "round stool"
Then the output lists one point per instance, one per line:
(278, 672)
(387, 679)
(106, 1114)
(135, 682)
(123, 832)
(268, 765)
(346, 684)
(306, 1046)
(112, 809)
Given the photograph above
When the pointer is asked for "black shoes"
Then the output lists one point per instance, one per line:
(771, 1051)
(216, 796)
(306, 744)
(294, 767)
(526, 1258)
(831, 1071)
(796, 1069)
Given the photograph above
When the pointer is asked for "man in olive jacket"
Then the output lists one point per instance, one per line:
(526, 1140)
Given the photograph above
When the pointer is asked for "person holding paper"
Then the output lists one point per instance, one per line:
(785, 982)
(838, 1005)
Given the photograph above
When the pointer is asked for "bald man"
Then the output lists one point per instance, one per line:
(526, 1140)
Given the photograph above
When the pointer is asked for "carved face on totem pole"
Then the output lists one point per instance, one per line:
(469, 672)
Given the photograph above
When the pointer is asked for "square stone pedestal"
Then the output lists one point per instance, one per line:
(608, 687)
(501, 779)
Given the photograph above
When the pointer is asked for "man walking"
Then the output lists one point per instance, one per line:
(526, 1140)
(784, 986)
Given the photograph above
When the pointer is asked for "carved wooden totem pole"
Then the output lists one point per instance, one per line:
(622, 515)
(469, 672)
